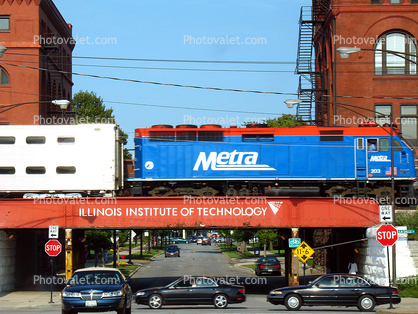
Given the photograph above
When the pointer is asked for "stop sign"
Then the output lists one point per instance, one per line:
(387, 235)
(53, 247)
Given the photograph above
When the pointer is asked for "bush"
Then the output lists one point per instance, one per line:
(408, 287)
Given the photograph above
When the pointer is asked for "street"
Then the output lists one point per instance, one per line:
(194, 260)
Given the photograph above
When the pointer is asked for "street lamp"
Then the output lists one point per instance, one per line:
(2, 51)
(290, 102)
(345, 53)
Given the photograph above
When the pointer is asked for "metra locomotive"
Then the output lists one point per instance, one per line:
(305, 161)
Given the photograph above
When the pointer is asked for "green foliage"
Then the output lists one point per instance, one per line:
(266, 235)
(285, 121)
(90, 109)
(123, 235)
(408, 219)
(98, 239)
(407, 287)
(242, 235)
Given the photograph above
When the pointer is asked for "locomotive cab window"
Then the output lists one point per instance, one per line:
(372, 145)
(360, 143)
(384, 144)
(257, 137)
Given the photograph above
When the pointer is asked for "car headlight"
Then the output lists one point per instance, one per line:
(112, 294)
(276, 292)
(140, 293)
(67, 294)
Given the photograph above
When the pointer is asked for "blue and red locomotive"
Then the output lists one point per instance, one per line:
(305, 160)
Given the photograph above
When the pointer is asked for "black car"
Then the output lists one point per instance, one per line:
(335, 289)
(269, 265)
(192, 290)
(172, 250)
(97, 289)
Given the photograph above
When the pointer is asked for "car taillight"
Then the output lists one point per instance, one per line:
(242, 290)
(278, 265)
(262, 266)
(395, 292)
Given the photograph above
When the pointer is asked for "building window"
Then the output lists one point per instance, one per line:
(413, 1)
(375, 1)
(388, 63)
(395, 1)
(382, 115)
(409, 117)
(4, 78)
(4, 23)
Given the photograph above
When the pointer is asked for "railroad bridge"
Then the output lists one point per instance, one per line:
(26, 221)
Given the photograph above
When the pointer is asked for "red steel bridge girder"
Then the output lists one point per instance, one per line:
(189, 212)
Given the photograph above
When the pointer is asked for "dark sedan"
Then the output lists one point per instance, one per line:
(269, 265)
(192, 290)
(172, 250)
(97, 289)
(206, 241)
(335, 289)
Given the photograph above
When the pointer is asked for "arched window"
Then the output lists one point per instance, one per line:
(4, 78)
(387, 63)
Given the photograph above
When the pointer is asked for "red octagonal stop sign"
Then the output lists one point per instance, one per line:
(53, 247)
(387, 235)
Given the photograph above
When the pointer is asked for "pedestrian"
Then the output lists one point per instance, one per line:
(352, 267)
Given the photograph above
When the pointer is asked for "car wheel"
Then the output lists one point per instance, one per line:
(257, 272)
(220, 301)
(366, 303)
(293, 302)
(155, 301)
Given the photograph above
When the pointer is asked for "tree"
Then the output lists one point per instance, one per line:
(98, 240)
(90, 109)
(285, 121)
(265, 236)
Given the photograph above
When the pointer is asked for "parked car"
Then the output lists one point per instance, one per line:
(192, 290)
(179, 240)
(192, 239)
(199, 240)
(206, 241)
(172, 250)
(97, 289)
(269, 265)
(335, 289)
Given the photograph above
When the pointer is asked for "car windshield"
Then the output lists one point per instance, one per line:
(95, 278)
(171, 248)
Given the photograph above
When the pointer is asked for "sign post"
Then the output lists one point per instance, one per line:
(387, 235)
(52, 248)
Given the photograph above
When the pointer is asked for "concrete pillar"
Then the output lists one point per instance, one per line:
(7, 261)
(294, 263)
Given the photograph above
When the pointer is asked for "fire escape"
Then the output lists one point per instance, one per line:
(52, 62)
(311, 81)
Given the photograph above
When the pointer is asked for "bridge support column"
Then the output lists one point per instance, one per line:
(74, 251)
(294, 263)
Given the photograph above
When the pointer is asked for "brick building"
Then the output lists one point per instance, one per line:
(375, 80)
(38, 38)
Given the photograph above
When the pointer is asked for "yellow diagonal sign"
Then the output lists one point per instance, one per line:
(304, 251)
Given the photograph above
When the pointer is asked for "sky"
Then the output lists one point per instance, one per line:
(158, 32)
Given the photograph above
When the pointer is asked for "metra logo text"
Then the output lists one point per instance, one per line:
(379, 158)
(241, 161)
